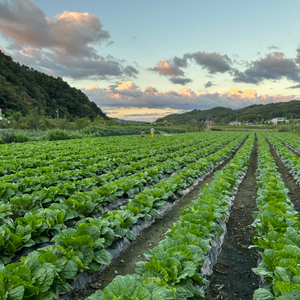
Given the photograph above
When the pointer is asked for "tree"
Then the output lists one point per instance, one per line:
(23, 89)
(16, 116)
(34, 119)
(81, 123)
(98, 121)
(47, 123)
(62, 123)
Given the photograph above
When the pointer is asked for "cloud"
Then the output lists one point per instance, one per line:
(298, 56)
(166, 68)
(69, 66)
(180, 62)
(130, 71)
(294, 87)
(129, 86)
(91, 87)
(70, 33)
(208, 84)
(129, 95)
(144, 115)
(182, 81)
(109, 43)
(2, 50)
(212, 62)
(65, 46)
(127, 89)
(151, 90)
(273, 48)
(272, 67)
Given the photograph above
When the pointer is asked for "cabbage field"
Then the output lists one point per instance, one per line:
(208, 215)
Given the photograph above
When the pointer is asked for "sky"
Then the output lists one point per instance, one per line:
(142, 60)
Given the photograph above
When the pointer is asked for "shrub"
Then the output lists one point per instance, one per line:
(283, 129)
(296, 128)
(58, 134)
(95, 134)
(76, 135)
(8, 136)
(91, 129)
(21, 137)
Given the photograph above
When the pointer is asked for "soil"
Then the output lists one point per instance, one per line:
(149, 238)
(232, 275)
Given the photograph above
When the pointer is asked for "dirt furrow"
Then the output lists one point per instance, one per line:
(149, 238)
(232, 277)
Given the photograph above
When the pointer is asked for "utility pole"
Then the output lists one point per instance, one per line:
(57, 114)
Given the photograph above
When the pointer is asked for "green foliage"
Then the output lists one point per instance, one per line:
(171, 272)
(170, 269)
(21, 137)
(278, 226)
(127, 130)
(249, 113)
(284, 129)
(58, 134)
(251, 118)
(24, 89)
(65, 132)
(7, 136)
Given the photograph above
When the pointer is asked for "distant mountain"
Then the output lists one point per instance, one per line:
(129, 121)
(23, 88)
(219, 114)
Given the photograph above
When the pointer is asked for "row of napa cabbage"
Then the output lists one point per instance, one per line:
(29, 181)
(108, 192)
(291, 160)
(40, 148)
(26, 150)
(36, 227)
(35, 166)
(109, 189)
(172, 269)
(278, 226)
(86, 153)
(46, 272)
(290, 139)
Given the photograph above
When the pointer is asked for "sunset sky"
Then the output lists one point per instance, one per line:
(141, 60)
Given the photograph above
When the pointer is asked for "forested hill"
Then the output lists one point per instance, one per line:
(219, 114)
(23, 88)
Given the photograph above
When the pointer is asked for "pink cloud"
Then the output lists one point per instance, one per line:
(65, 46)
(129, 95)
(164, 67)
(2, 49)
(129, 86)
(70, 33)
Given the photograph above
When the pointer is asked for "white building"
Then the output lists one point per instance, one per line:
(280, 119)
(234, 123)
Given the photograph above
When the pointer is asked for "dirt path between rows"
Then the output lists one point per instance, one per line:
(232, 277)
(149, 238)
(288, 179)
